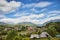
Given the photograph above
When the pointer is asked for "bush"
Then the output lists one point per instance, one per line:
(11, 35)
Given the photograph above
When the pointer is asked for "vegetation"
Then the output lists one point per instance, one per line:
(21, 32)
(11, 35)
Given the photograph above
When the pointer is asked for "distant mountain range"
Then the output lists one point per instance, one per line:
(2, 23)
(32, 24)
(27, 23)
(56, 20)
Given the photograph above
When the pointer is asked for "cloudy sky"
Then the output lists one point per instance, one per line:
(35, 11)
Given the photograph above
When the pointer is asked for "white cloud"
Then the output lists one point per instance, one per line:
(48, 19)
(33, 9)
(33, 16)
(28, 5)
(20, 14)
(55, 11)
(43, 4)
(40, 4)
(50, 15)
(37, 16)
(2, 16)
(22, 19)
(26, 19)
(9, 6)
(44, 9)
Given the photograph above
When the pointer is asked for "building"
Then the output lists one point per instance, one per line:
(30, 28)
(44, 34)
(17, 28)
(34, 36)
(7, 29)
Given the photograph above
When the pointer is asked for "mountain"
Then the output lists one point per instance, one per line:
(27, 23)
(2, 23)
(56, 20)
(32, 24)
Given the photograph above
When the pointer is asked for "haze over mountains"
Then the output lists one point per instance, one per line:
(56, 20)
(32, 24)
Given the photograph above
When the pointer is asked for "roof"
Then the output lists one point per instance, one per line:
(44, 34)
(34, 36)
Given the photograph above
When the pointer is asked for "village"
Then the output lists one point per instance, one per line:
(24, 32)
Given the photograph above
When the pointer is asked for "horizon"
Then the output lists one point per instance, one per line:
(34, 11)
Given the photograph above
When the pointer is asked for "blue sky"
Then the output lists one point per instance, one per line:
(35, 11)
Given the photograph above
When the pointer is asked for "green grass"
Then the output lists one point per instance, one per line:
(42, 39)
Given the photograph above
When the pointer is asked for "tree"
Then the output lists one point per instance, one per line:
(18, 38)
(11, 35)
(51, 30)
(57, 27)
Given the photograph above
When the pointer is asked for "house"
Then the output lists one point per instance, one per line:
(34, 36)
(44, 34)
(7, 29)
(30, 28)
(17, 28)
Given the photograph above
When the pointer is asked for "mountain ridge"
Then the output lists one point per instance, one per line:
(30, 23)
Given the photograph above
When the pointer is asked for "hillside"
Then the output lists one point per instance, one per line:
(53, 28)
(27, 24)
